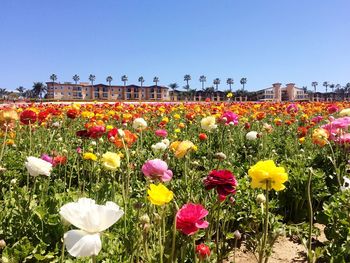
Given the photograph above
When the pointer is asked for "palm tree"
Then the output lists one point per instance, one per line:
(347, 89)
(156, 80)
(76, 78)
(216, 82)
(3, 92)
(230, 82)
(92, 78)
(332, 87)
(325, 84)
(124, 79)
(314, 84)
(38, 89)
(109, 79)
(141, 80)
(53, 77)
(202, 79)
(173, 87)
(187, 78)
(20, 90)
(338, 89)
(243, 81)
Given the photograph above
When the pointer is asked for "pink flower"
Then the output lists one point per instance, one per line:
(161, 133)
(337, 127)
(332, 109)
(190, 218)
(157, 170)
(292, 108)
(317, 119)
(229, 118)
(46, 158)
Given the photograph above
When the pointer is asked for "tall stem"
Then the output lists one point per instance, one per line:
(262, 252)
(93, 259)
(309, 252)
(4, 142)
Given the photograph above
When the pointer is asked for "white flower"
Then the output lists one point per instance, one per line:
(159, 147)
(139, 123)
(36, 166)
(121, 133)
(166, 142)
(346, 184)
(91, 219)
(251, 136)
(208, 123)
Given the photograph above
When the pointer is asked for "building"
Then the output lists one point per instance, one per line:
(278, 93)
(86, 91)
(199, 95)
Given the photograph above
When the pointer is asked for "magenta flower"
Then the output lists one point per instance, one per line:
(46, 158)
(229, 118)
(332, 108)
(157, 170)
(292, 108)
(337, 127)
(190, 218)
(161, 133)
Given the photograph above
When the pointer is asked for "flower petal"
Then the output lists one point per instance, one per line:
(82, 244)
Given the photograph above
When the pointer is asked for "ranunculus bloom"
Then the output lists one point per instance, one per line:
(8, 115)
(320, 137)
(224, 182)
(72, 113)
(89, 156)
(251, 136)
(159, 194)
(337, 127)
(28, 117)
(208, 123)
(139, 123)
(202, 136)
(332, 109)
(47, 158)
(346, 184)
(91, 219)
(345, 112)
(96, 131)
(157, 170)
(111, 161)
(181, 148)
(161, 133)
(203, 251)
(265, 174)
(190, 218)
(292, 108)
(116, 136)
(230, 118)
(36, 166)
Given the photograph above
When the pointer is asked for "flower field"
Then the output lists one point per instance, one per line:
(172, 182)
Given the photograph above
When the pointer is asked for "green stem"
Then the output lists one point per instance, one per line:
(4, 143)
(194, 249)
(262, 252)
(62, 253)
(310, 255)
(93, 259)
(161, 243)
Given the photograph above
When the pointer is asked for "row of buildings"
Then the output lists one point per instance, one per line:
(86, 91)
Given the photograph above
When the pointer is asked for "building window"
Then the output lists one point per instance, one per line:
(105, 89)
(136, 95)
(129, 89)
(105, 95)
(119, 96)
(159, 96)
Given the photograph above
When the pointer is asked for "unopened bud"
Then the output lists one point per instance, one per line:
(2, 244)
(220, 156)
(260, 199)
(144, 219)
(121, 133)
(237, 235)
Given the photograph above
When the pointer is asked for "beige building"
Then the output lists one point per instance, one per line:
(86, 91)
(278, 93)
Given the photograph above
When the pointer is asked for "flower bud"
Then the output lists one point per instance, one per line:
(237, 235)
(121, 133)
(260, 199)
(2, 244)
(221, 156)
(203, 251)
(144, 219)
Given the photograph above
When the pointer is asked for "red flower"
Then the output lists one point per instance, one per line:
(82, 133)
(28, 117)
(302, 131)
(96, 131)
(202, 136)
(224, 182)
(59, 160)
(190, 218)
(203, 251)
(332, 109)
(72, 113)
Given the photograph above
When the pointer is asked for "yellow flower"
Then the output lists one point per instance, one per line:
(320, 137)
(8, 115)
(177, 130)
(267, 174)
(208, 123)
(109, 127)
(90, 156)
(177, 116)
(182, 148)
(87, 114)
(159, 194)
(111, 161)
(345, 112)
(229, 95)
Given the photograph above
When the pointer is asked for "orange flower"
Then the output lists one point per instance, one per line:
(320, 137)
(129, 139)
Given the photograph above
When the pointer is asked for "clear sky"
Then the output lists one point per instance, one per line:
(265, 41)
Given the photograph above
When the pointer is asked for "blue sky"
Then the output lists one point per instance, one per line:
(265, 41)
